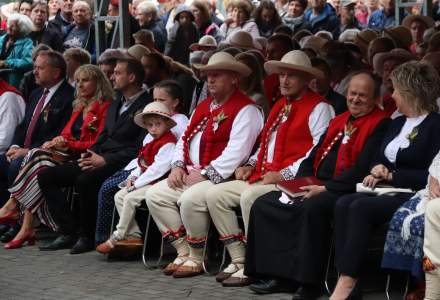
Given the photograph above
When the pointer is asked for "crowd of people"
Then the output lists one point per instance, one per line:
(211, 107)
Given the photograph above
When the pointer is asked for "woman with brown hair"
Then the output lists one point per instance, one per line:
(267, 18)
(241, 12)
(93, 96)
(202, 18)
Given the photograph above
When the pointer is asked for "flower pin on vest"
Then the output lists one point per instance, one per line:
(218, 119)
(410, 137)
(349, 129)
(287, 109)
(91, 126)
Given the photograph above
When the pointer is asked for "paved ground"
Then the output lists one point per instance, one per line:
(28, 273)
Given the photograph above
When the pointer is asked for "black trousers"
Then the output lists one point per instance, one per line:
(8, 173)
(356, 216)
(87, 183)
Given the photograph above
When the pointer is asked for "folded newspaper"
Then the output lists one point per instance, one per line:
(381, 189)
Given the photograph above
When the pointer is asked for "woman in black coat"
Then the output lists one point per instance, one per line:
(405, 155)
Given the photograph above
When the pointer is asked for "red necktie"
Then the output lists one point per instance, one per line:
(37, 113)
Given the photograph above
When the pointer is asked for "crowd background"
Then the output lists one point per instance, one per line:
(111, 125)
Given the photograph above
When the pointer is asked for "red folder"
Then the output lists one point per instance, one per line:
(293, 187)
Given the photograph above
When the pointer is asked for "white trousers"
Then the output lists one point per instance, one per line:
(126, 204)
(223, 198)
(164, 203)
(431, 248)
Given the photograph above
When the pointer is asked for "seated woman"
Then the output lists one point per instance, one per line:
(289, 240)
(93, 95)
(241, 12)
(406, 152)
(404, 244)
(16, 47)
(170, 93)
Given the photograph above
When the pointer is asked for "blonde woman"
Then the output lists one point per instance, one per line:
(93, 96)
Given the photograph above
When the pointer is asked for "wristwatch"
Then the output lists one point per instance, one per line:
(204, 173)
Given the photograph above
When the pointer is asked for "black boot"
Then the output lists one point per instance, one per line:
(270, 286)
(84, 244)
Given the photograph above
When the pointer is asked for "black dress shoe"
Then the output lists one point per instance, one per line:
(270, 286)
(308, 292)
(10, 234)
(4, 228)
(83, 244)
(61, 242)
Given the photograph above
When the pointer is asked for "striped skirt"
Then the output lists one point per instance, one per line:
(26, 190)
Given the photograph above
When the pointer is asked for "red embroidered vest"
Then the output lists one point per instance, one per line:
(293, 137)
(216, 126)
(149, 150)
(359, 131)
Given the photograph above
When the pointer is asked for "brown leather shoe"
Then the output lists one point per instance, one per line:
(106, 247)
(130, 242)
(237, 281)
(223, 275)
(188, 271)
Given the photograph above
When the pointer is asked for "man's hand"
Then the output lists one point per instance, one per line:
(313, 190)
(16, 152)
(194, 177)
(90, 161)
(433, 188)
(243, 173)
(177, 178)
(272, 178)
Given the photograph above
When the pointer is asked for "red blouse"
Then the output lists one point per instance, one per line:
(92, 126)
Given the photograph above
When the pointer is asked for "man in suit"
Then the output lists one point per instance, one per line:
(115, 147)
(48, 110)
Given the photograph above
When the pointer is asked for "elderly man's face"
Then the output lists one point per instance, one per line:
(292, 84)
(221, 83)
(360, 95)
(81, 14)
(45, 74)
(144, 19)
(388, 66)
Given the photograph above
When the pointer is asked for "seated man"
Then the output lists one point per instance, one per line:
(116, 146)
(12, 108)
(218, 139)
(47, 112)
(289, 239)
(293, 127)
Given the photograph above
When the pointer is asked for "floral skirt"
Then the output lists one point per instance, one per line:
(405, 254)
(26, 190)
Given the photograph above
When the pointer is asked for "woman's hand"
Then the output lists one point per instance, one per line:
(380, 172)
(371, 181)
(312, 190)
(433, 188)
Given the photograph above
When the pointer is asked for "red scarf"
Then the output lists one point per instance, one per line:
(216, 126)
(357, 132)
(148, 152)
(6, 87)
(293, 137)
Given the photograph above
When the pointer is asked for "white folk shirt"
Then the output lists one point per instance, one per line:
(245, 130)
(160, 166)
(401, 141)
(178, 130)
(12, 110)
(318, 123)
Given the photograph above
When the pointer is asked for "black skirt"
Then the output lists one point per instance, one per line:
(290, 241)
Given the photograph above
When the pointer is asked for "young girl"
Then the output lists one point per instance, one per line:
(154, 161)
